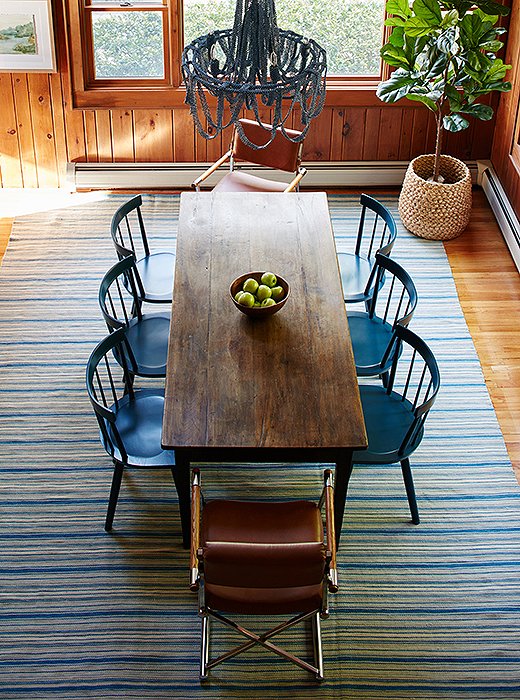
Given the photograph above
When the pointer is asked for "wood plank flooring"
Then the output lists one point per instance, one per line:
(488, 285)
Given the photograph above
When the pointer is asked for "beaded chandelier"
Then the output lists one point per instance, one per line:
(252, 66)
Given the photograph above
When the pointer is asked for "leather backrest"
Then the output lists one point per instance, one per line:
(281, 154)
(252, 565)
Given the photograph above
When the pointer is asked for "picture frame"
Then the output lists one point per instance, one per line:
(26, 36)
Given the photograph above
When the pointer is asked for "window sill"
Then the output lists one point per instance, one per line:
(339, 94)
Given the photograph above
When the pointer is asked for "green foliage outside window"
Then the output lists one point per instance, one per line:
(350, 32)
(129, 44)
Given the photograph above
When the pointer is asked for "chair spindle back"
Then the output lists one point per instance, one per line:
(414, 377)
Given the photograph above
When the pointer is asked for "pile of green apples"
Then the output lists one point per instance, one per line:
(267, 292)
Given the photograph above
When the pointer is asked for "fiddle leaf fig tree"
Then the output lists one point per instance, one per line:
(444, 54)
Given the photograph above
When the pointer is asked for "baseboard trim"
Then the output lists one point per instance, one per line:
(146, 176)
(502, 209)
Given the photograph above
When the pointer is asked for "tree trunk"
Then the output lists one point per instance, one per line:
(438, 146)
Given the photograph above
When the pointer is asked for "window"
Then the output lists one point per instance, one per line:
(128, 53)
(351, 32)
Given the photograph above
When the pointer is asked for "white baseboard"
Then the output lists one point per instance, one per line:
(502, 209)
(145, 176)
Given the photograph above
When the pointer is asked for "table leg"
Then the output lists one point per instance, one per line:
(341, 479)
(181, 476)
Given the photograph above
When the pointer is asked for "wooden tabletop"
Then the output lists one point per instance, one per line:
(287, 381)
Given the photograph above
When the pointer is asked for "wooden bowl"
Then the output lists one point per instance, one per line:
(258, 311)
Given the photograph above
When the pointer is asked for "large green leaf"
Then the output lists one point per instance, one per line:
(480, 111)
(394, 56)
(415, 26)
(397, 86)
(471, 29)
(447, 41)
(429, 11)
(417, 97)
(455, 123)
(497, 70)
(396, 38)
(492, 8)
(454, 97)
(399, 8)
(492, 46)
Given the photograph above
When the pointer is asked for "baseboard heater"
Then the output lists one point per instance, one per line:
(502, 209)
(147, 176)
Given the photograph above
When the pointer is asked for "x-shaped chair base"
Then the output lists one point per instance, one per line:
(262, 640)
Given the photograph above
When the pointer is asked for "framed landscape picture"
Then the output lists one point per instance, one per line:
(26, 36)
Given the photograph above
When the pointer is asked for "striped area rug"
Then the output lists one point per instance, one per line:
(423, 612)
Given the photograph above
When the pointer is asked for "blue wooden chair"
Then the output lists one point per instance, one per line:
(156, 270)
(130, 421)
(373, 331)
(395, 414)
(377, 232)
(147, 334)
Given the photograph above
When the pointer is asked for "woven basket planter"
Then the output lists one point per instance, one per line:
(436, 210)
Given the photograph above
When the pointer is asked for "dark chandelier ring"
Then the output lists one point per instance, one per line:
(291, 70)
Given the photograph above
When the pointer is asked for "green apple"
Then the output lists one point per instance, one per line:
(246, 299)
(269, 279)
(268, 302)
(238, 294)
(263, 292)
(250, 285)
(257, 303)
(277, 293)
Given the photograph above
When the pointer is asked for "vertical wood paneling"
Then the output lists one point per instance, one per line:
(104, 135)
(405, 141)
(389, 134)
(317, 142)
(25, 129)
(58, 118)
(336, 137)
(74, 125)
(39, 133)
(43, 129)
(371, 140)
(183, 136)
(10, 157)
(420, 127)
(354, 140)
(122, 129)
(89, 123)
(153, 136)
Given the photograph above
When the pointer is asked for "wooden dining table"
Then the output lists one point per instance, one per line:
(277, 390)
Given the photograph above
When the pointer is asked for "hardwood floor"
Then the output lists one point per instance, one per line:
(488, 285)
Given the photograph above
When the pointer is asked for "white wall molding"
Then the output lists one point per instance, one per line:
(145, 176)
(501, 206)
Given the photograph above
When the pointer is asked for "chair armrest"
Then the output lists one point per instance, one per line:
(296, 181)
(195, 534)
(331, 533)
(211, 169)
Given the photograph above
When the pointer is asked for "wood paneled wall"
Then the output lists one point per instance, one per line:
(40, 132)
(506, 153)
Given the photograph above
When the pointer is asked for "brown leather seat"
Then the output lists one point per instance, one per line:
(262, 558)
(280, 154)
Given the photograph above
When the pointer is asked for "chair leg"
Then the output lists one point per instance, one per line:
(384, 379)
(316, 641)
(410, 490)
(204, 647)
(114, 493)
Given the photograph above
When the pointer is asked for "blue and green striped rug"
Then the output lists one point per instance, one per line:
(423, 612)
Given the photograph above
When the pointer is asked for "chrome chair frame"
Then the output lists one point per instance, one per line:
(330, 584)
